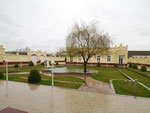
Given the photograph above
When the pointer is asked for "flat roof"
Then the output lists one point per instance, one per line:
(138, 53)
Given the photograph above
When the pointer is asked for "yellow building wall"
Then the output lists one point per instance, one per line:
(113, 52)
(15, 58)
(26, 58)
(2, 49)
(139, 60)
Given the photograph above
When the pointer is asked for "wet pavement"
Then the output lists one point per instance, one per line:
(45, 99)
(93, 85)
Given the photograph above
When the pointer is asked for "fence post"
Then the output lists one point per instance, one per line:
(135, 86)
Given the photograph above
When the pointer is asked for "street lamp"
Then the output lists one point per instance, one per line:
(47, 63)
(20, 61)
(6, 70)
(53, 62)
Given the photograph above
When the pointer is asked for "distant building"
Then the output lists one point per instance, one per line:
(16, 57)
(139, 57)
(117, 55)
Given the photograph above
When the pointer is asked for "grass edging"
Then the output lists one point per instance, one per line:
(127, 88)
(125, 75)
(134, 80)
(138, 73)
(112, 86)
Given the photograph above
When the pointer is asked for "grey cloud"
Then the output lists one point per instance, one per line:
(44, 24)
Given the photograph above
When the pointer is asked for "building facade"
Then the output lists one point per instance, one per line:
(139, 57)
(116, 55)
(23, 58)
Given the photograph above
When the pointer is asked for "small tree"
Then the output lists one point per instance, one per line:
(16, 66)
(86, 41)
(116, 65)
(57, 63)
(34, 76)
(130, 65)
(1, 75)
(98, 64)
(143, 69)
(42, 64)
(31, 64)
(135, 66)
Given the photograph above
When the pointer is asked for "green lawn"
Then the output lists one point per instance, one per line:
(34, 67)
(140, 78)
(10, 69)
(69, 78)
(21, 69)
(67, 85)
(46, 80)
(61, 78)
(106, 74)
(138, 70)
(122, 87)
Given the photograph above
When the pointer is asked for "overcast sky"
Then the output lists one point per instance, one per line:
(44, 24)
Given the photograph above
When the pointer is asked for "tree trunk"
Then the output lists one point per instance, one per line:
(85, 69)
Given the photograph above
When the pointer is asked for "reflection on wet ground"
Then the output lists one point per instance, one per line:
(70, 70)
(45, 99)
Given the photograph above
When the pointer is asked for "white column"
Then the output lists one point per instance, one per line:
(52, 73)
(20, 62)
(47, 63)
(6, 70)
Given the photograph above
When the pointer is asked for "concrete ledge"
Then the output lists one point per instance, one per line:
(112, 86)
(134, 80)
(139, 73)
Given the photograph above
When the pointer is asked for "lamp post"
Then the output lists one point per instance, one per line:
(6, 70)
(47, 63)
(20, 62)
(52, 73)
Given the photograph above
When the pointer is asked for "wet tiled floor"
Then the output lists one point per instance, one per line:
(93, 85)
(44, 99)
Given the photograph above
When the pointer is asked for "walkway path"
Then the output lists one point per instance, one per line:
(96, 86)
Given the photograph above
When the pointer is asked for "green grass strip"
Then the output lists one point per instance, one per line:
(122, 87)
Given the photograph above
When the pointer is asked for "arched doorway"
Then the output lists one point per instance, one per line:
(34, 59)
(42, 58)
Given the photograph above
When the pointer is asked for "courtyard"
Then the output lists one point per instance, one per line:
(105, 80)
(45, 99)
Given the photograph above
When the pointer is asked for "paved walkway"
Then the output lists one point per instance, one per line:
(45, 99)
(96, 86)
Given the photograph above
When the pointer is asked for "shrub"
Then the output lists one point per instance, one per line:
(42, 64)
(98, 64)
(16, 66)
(143, 69)
(135, 66)
(130, 65)
(34, 76)
(1, 75)
(31, 64)
(56, 63)
(116, 65)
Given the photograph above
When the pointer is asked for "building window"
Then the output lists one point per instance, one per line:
(98, 58)
(89, 59)
(80, 58)
(71, 59)
(120, 59)
(108, 58)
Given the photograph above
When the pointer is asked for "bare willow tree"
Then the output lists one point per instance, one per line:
(86, 40)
